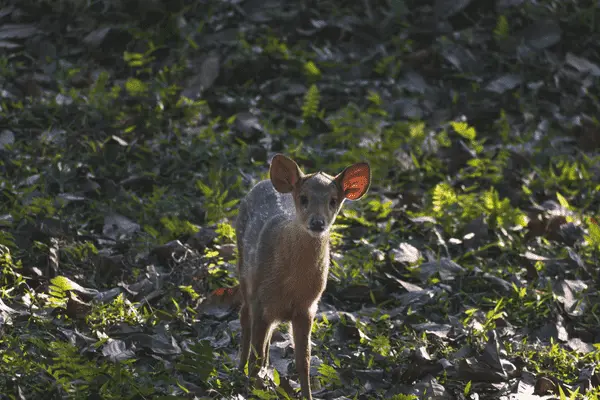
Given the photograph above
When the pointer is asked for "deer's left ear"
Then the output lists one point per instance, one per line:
(285, 173)
(355, 180)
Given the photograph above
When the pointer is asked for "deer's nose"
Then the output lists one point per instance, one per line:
(317, 224)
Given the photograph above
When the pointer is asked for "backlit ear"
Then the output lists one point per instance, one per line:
(284, 173)
(355, 180)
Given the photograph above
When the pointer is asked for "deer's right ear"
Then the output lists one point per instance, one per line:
(285, 173)
(355, 180)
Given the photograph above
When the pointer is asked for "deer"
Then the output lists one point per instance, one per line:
(283, 234)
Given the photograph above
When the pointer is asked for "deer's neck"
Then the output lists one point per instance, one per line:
(310, 251)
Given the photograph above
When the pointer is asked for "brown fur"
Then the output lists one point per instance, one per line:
(283, 255)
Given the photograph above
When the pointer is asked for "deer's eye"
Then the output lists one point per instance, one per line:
(333, 202)
(303, 200)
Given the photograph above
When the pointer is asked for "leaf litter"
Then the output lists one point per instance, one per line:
(128, 141)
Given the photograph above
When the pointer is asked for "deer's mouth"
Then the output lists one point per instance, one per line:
(317, 229)
(317, 233)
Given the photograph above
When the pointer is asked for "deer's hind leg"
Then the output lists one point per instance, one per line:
(260, 331)
(245, 318)
(245, 322)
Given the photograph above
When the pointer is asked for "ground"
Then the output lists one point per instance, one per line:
(129, 131)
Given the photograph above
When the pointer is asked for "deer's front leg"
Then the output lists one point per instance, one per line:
(301, 326)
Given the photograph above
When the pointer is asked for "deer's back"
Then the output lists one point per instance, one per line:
(262, 205)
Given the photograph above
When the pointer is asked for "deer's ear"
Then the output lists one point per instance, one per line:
(284, 173)
(355, 180)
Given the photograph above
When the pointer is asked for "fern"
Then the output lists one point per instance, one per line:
(417, 130)
(503, 126)
(329, 375)
(499, 212)
(176, 227)
(593, 239)
(198, 360)
(135, 87)
(7, 239)
(464, 130)
(216, 196)
(10, 278)
(312, 99)
(443, 196)
(383, 64)
(312, 71)
(381, 345)
(501, 30)
(562, 201)
(120, 310)
(59, 288)
(71, 372)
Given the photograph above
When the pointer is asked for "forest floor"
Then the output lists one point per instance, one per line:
(129, 131)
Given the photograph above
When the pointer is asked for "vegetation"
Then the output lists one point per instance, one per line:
(129, 131)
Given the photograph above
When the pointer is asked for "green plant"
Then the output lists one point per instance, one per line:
(216, 201)
(593, 237)
(118, 311)
(464, 130)
(312, 71)
(11, 278)
(226, 232)
(404, 397)
(502, 28)
(60, 286)
(329, 376)
(310, 106)
(489, 322)
(447, 203)
(381, 345)
(199, 361)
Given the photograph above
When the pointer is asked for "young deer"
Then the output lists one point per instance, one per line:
(283, 255)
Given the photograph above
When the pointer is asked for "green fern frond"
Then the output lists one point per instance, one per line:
(312, 99)
(593, 238)
(464, 130)
(443, 196)
(501, 30)
(311, 70)
(329, 375)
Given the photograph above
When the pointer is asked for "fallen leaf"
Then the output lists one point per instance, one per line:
(445, 267)
(580, 346)
(540, 35)
(18, 31)
(405, 253)
(7, 138)
(117, 226)
(504, 83)
(582, 64)
(116, 350)
(448, 8)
